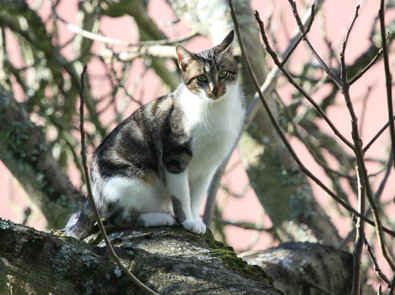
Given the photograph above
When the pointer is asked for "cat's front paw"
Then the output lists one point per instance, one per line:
(195, 225)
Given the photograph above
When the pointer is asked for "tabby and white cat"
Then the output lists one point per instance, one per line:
(155, 167)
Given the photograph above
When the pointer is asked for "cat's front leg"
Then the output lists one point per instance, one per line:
(199, 188)
(178, 187)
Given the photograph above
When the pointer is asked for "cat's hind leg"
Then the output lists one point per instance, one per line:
(136, 202)
(151, 219)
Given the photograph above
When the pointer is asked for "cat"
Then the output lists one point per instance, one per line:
(154, 168)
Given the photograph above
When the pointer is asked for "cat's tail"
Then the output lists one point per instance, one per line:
(81, 224)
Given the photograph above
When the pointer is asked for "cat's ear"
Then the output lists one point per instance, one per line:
(184, 57)
(226, 44)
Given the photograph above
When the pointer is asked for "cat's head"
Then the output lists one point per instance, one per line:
(210, 72)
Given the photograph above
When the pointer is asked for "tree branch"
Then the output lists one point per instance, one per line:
(27, 155)
(388, 77)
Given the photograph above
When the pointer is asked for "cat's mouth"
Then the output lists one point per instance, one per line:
(215, 93)
(213, 96)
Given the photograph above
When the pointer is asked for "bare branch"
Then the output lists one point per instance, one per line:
(377, 269)
(367, 67)
(382, 129)
(300, 89)
(383, 182)
(334, 78)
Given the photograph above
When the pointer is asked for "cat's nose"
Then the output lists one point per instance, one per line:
(213, 90)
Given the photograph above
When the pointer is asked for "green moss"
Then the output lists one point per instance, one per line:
(230, 260)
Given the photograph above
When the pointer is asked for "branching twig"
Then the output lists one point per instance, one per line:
(302, 36)
(113, 255)
(334, 78)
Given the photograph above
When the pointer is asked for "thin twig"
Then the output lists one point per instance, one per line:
(383, 182)
(388, 78)
(367, 146)
(281, 134)
(113, 255)
(367, 67)
(302, 36)
(376, 266)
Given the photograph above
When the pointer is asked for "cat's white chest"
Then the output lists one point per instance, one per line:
(214, 128)
(210, 146)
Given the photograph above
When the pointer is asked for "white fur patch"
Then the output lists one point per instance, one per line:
(133, 193)
(156, 219)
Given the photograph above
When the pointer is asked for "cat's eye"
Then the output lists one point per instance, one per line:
(224, 75)
(202, 79)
